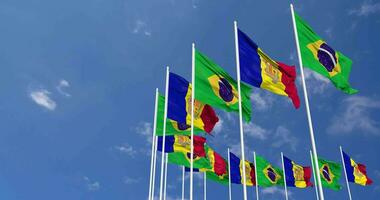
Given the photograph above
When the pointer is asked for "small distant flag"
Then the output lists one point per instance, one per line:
(181, 143)
(330, 173)
(356, 173)
(267, 175)
(296, 175)
(179, 105)
(217, 88)
(219, 167)
(236, 167)
(259, 70)
(318, 56)
(183, 159)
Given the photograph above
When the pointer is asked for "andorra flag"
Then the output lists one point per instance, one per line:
(259, 70)
(296, 175)
(217, 88)
(236, 167)
(219, 168)
(320, 57)
(268, 175)
(356, 173)
(182, 143)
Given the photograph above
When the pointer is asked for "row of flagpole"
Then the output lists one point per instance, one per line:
(313, 153)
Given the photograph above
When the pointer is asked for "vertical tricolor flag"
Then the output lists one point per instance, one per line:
(179, 106)
(217, 88)
(219, 167)
(296, 175)
(181, 143)
(355, 172)
(259, 70)
(236, 167)
(320, 57)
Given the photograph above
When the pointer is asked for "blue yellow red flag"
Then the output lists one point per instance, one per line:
(296, 175)
(181, 143)
(356, 172)
(236, 167)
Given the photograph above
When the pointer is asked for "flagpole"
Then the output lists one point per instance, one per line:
(345, 173)
(257, 181)
(192, 118)
(164, 131)
(183, 182)
(229, 175)
(204, 186)
(154, 166)
(314, 148)
(166, 174)
(240, 109)
(315, 179)
(283, 168)
(153, 140)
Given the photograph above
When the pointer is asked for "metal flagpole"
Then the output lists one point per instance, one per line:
(315, 179)
(257, 181)
(166, 175)
(154, 166)
(192, 118)
(314, 148)
(283, 168)
(229, 175)
(183, 182)
(153, 145)
(345, 173)
(204, 186)
(240, 109)
(164, 131)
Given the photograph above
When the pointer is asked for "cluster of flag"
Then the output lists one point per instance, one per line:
(215, 88)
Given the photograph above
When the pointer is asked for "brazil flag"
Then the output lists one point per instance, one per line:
(318, 56)
(184, 159)
(267, 175)
(330, 173)
(172, 127)
(217, 88)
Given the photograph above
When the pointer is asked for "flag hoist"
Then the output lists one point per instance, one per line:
(240, 109)
(164, 133)
(152, 162)
(313, 145)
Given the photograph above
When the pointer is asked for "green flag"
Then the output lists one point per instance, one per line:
(172, 127)
(330, 173)
(217, 88)
(323, 59)
(219, 179)
(183, 159)
(267, 175)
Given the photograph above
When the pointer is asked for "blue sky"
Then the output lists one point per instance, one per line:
(78, 80)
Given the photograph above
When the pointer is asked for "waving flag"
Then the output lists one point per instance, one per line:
(259, 70)
(330, 173)
(267, 175)
(318, 56)
(219, 167)
(356, 173)
(296, 175)
(183, 159)
(216, 87)
(182, 143)
(236, 167)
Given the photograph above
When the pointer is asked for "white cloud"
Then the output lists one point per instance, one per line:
(91, 185)
(146, 130)
(130, 180)
(41, 97)
(141, 27)
(329, 32)
(365, 9)
(274, 190)
(356, 115)
(261, 100)
(282, 137)
(255, 131)
(126, 149)
(315, 82)
(218, 127)
(60, 87)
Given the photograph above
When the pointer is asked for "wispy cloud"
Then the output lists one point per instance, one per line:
(218, 127)
(283, 136)
(255, 131)
(126, 149)
(41, 97)
(356, 115)
(146, 130)
(274, 190)
(365, 9)
(130, 180)
(141, 27)
(61, 86)
(329, 32)
(91, 185)
(316, 83)
(261, 100)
